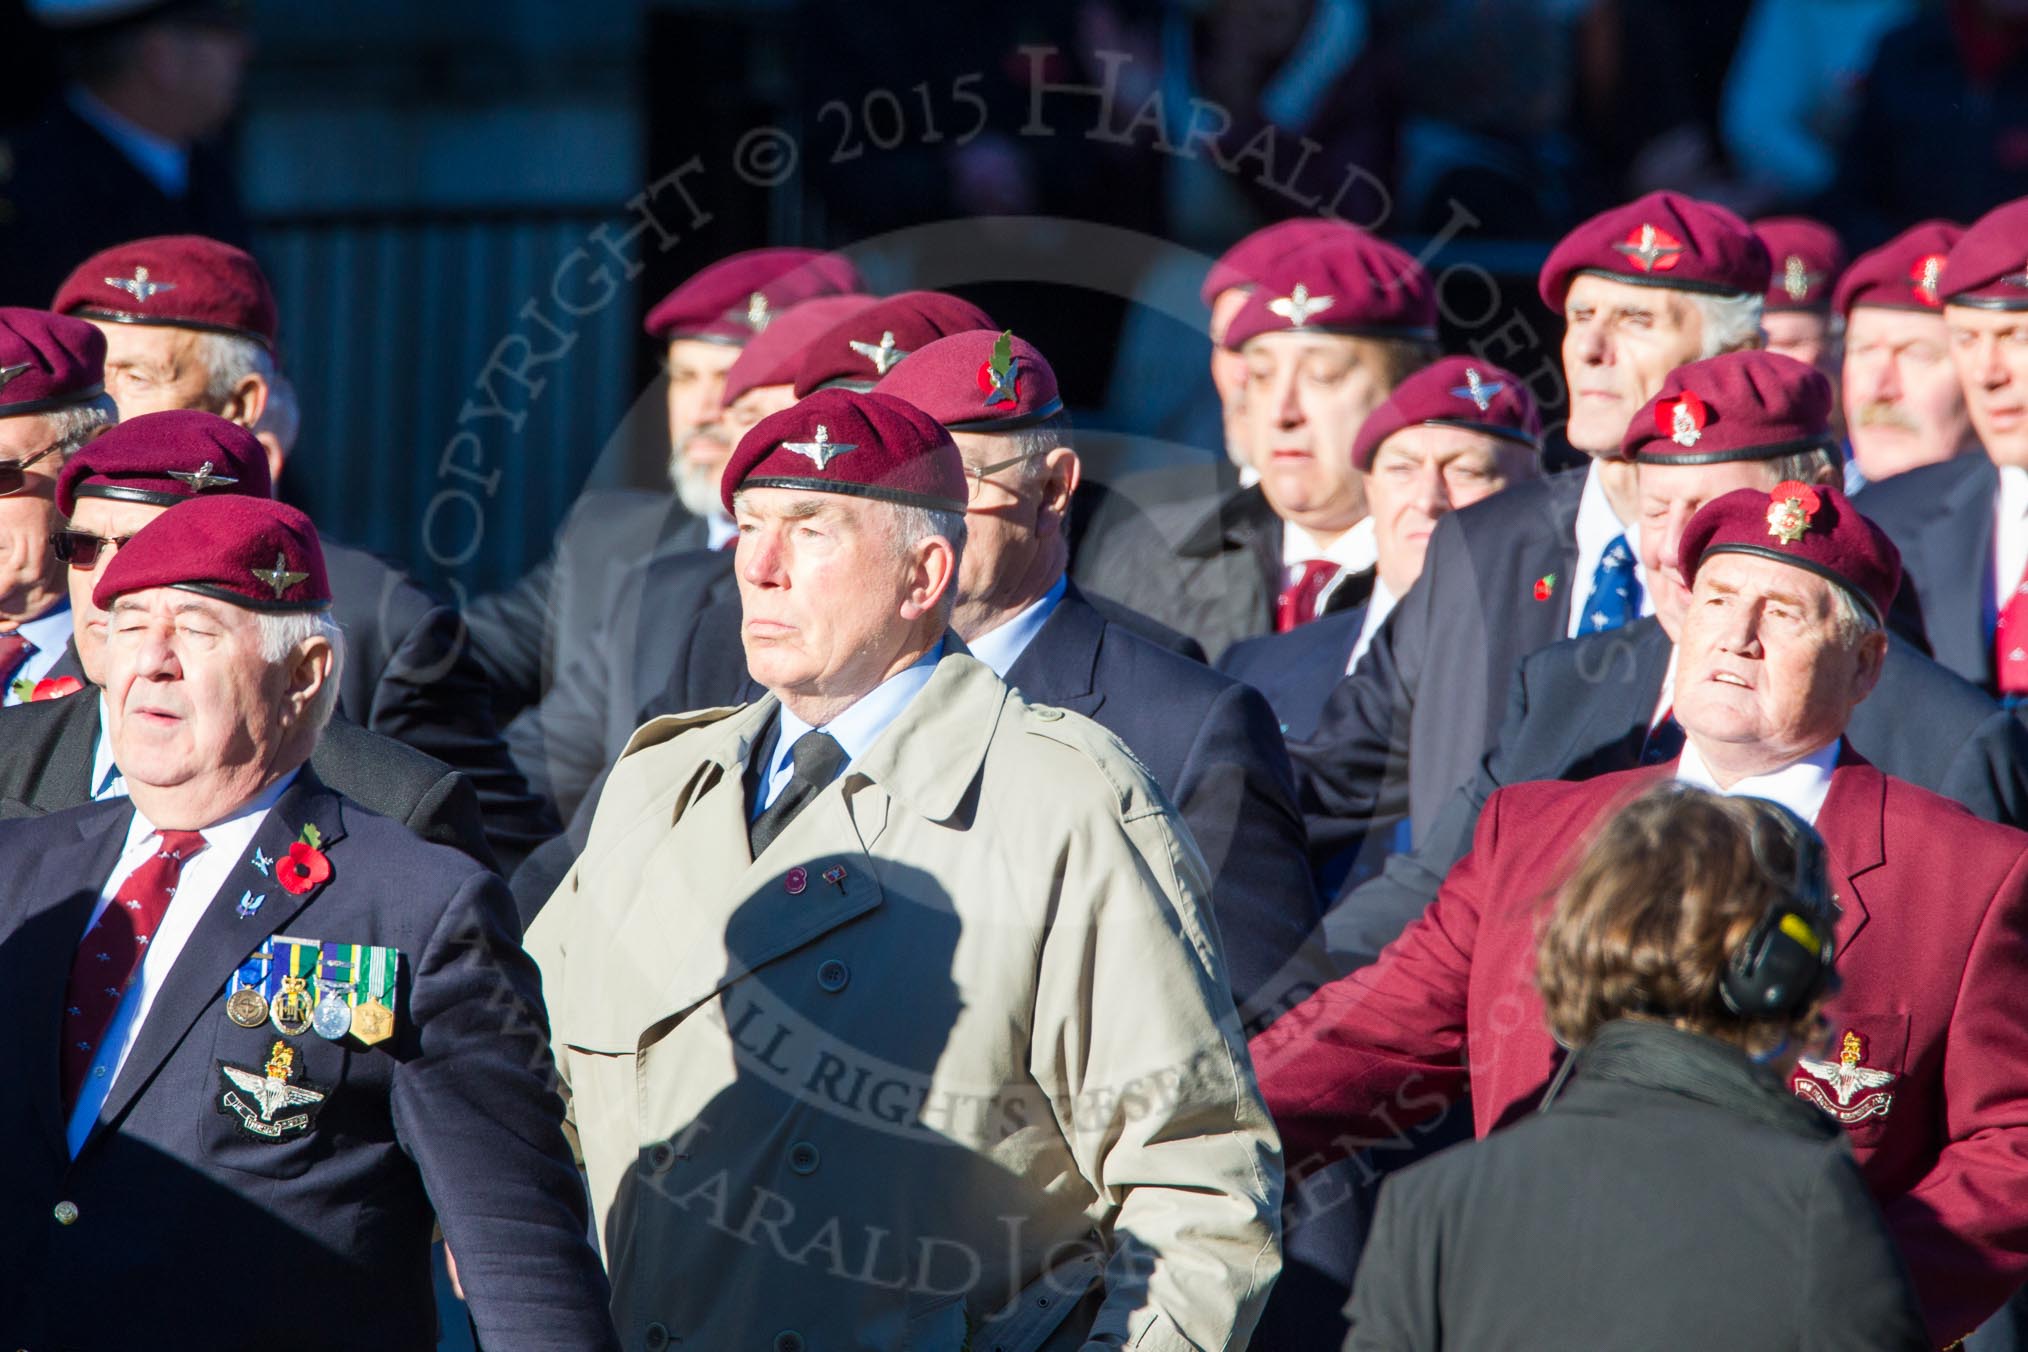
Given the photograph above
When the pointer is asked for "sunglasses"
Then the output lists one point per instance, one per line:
(14, 473)
(80, 549)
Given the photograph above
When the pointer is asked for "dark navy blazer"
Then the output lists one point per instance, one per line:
(1297, 671)
(189, 1230)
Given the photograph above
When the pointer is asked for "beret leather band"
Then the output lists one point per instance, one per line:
(122, 493)
(1012, 422)
(856, 490)
(1994, 303)
(1514, 434)
(164, 322)
(28, 406)
(245, 602)
(1415, 333)
(1830, 575)
(1731, 454)
(1665, 280)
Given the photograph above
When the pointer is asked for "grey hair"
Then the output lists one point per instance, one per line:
(282, 419)
(76, 424)
(230, 358)
(913, 525)
(1730, 322)
(1034, 442)
(283, 632)
(1856, 623)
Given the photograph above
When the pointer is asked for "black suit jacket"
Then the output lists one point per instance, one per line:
(1941, 519)
(1403, 732)
(1581, 708)
(453, 1119)
(46, 766)
(1297, 671)
(409, 676)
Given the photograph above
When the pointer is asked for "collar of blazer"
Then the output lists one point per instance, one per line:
(927, 758)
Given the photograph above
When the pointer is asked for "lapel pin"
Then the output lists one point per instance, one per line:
(795, 881)
(835, 875)
(249, 903)
(1545, 586)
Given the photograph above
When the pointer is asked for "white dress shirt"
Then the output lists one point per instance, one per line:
(1800, 787)
(225, 844)
(1355, 551)
(1001, 648)
(855, 730)
(2010, 535)
(107, 781)
(1597, 526)
(718, 529)
(1378, 607)
(49, 633)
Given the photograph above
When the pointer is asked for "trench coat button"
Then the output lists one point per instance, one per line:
(660, 1156)
(788, 1340)
(803, 1158)
(1047, 714)
(833, 976)
(65, 1213)
(657, 1339)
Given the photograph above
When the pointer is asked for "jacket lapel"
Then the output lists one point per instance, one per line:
(1555, 554)
(1060, 664)
(223, 939)
(1613, 728)
(1853, 825)
(1958, 552)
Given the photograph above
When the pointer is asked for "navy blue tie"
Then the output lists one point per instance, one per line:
(1615, 594)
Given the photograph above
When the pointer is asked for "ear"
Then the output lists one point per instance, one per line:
(1062, 472)
(309, 670)
(247, 402)
(1871, 656)
(933, 573)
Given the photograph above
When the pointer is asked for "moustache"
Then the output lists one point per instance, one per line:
(1877, 414)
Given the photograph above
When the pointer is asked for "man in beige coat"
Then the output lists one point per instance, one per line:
(891, 1008)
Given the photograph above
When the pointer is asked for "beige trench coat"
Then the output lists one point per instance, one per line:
(951, 1065)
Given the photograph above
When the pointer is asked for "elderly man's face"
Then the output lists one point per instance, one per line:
(151, 368)
(109, 520)
(1990, 351)
(1014, 528)
(1422, 474)
(1306, 396)
(1228, 374)
(28, 571)
(198, 717)
(1620, 342)
(1669, 496)
(1903, 404)
(830, 601)
(696, 388)
(1804, 336)
(1763, 676)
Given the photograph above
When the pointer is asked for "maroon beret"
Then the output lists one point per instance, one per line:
(1663, 239)
(1808, 259)
(253, 552)
(1246, 262)
(979, 381)
(1736, 406)
(1813, 526)
(47, 361)
(734, 298)
(163, 458)
(1906, 273)
(856, 353)
(776, 352)
(863, 445)
(1342, 283)
(184, 281)
(1454, 392)
(1988, 267)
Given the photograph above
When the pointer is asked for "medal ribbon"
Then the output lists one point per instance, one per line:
(382, 965)
(291, 957)
(342, 965)
(253, 973)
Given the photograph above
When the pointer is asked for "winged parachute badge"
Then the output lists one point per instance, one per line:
(883, 354)
(279, 577)
(1000, 378)
(8, 373)
(757, 313)
(1479, 391)
(140, 286)
(1651, 250)
(1797, 279)
(254, 1097)
(823, 450)
(202, 480)
(1299, 305)
(1846, 1078)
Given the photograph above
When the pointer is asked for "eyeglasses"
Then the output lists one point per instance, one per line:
(14, 473)
(978, 476)
(80, 549)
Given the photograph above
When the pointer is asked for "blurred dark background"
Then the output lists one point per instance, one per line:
(433, 187)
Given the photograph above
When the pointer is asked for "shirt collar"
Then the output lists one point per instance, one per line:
(107, 781)
(235, 828)
(1801, 786)
(719, 528)
(1597, 523)
(2013, 493)
(50, 630)
(860, 726)
(1355, 551)
(1001, 648)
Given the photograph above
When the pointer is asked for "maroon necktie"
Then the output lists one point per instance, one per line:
(2010, 642)
(14, 650)
(1298, 602)
(111, 954)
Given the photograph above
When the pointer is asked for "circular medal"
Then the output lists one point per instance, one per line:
(290, 1011)
(247, 1007)
(333, 1018)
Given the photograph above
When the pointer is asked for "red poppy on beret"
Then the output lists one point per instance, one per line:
(857, 352)
(1662, 239)
(1906, 273)
(163, 458)
(735, 298)
(978, 381)
(1245, 263)
(776, 352)
(1350, 284)
(1808, 260)
(1814, 528)
(1735, 406)
(1988, 267)
(1461, 392)
(252, 552)
(181, 281)
(864, 445)
(47, 361)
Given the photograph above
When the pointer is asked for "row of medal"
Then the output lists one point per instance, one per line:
(308, 986)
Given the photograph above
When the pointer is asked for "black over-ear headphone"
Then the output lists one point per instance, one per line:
(1785, 961)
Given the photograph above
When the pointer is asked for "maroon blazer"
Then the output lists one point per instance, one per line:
(1932, 949)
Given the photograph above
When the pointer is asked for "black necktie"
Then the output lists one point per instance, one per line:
(1665, 741)
(817, 758)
